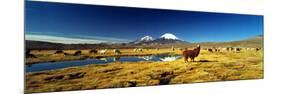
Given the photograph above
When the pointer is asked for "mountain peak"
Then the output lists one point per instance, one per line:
(169, 36)
(146, 38)
(143, 39)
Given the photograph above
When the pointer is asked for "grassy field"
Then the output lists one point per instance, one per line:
(218, 66)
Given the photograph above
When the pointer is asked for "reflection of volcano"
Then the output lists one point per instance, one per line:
(170, 58)
(146, 57)
(106, 59)
(103, 59)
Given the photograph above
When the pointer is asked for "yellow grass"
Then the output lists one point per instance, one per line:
(219, 66)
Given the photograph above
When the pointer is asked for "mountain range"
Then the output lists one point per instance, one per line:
(167, 38)
(164, 41)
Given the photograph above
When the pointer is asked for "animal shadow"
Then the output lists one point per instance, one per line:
(204, 60)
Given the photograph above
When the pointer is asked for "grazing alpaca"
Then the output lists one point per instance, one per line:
(138, 50)
(77, 53)
(93, 51)
(173, 49)
(117, 51)
(59, 52)
(257, 49)
(238, 49)
(210, 50)
(191, 54)
(28, 54)
(103, 51)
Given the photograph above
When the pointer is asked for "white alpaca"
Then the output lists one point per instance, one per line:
(103, 51)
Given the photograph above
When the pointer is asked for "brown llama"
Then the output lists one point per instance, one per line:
(191, 53)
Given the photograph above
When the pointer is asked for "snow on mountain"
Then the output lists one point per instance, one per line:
(169, 36)
(143, 39)
(146, 38)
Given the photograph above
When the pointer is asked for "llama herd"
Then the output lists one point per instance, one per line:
(195, 52)
(230, 49)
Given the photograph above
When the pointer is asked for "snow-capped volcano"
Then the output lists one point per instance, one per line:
(146, 38)
(143, 39)
(169, 36)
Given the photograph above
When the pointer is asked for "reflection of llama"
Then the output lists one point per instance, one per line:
(191, 53)
(103, 51)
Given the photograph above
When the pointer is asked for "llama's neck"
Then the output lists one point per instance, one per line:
(198, 49)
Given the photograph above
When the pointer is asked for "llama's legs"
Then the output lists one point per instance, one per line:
(185, 59)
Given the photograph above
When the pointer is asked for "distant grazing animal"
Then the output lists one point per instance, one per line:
(117, 51)
(173, 49)
(28, 54)
(135, 50)
(210, 50)
(227, 49)
(191, 53)
(257, 49)
(103, 51)
(77, 53)
(27, 51)
(217, 50)
(59, 52)
(138, 50)
(231, 49)
(93, 51)
(238, 49)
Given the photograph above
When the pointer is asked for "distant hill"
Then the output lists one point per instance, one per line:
(59, 46)
(254, 42)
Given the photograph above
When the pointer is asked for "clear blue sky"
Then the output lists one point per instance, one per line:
(76, 23)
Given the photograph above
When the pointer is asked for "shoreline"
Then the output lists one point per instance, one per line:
(60, 57)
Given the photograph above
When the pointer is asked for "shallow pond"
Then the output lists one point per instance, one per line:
(63, 64)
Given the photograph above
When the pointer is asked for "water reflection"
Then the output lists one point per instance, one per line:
(100, 60)
(170, 58)
(116, 59)
(147, 58)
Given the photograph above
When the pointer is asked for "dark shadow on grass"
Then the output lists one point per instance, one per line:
(204, 61)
